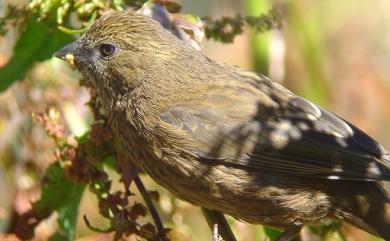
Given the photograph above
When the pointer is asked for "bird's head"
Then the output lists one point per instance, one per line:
(120, 49)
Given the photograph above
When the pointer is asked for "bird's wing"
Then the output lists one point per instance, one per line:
(294, 137)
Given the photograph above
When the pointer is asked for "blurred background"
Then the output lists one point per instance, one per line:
(335, 53)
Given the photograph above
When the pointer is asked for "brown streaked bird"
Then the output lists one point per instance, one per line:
(227, 139)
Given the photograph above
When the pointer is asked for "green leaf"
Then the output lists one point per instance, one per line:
(271, 233)
(58, 237)
(68, 213)
(63, 195)
(38, 42)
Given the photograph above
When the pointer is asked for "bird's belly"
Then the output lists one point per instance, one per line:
(252, 197)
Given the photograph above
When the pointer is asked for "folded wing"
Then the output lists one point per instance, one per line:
(293, 136)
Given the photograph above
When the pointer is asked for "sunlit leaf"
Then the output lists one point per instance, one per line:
(37, 42)
(271, 233)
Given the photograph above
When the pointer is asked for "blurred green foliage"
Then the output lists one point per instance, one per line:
(37, 42)
(61, 194)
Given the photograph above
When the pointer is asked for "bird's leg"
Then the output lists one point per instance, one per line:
(218, 225)
(153, 211)
(288, 234)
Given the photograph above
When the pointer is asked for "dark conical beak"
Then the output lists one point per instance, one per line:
(70, 49)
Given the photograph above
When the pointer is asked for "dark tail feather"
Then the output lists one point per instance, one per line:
(372, 212)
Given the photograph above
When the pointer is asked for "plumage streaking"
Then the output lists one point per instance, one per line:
(228, 139)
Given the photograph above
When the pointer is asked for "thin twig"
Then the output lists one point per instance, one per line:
(151, 207)
(98, 230)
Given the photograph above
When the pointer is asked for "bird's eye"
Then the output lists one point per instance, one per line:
(107, 50)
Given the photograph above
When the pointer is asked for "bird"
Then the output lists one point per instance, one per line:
(228, 139)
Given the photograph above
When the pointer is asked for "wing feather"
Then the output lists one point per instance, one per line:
(294, 136)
